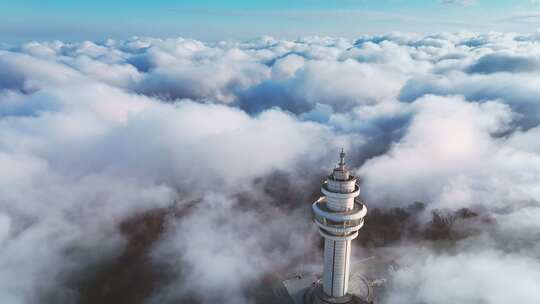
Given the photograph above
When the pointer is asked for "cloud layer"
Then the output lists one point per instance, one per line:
(234, 137)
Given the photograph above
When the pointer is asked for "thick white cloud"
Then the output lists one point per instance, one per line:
(472, 277)
(448, 140)
(250, 242)
(210, 78)
(79, 159)
(92, 134)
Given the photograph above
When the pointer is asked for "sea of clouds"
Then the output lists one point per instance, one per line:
(240, 134)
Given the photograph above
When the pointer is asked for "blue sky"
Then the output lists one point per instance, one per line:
(24, 20)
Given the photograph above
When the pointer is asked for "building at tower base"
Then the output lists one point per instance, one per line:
(307, 289)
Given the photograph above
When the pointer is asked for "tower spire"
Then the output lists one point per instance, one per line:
(342, 158)
(341, 173)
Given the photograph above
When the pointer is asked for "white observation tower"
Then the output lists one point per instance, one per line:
(339, 216)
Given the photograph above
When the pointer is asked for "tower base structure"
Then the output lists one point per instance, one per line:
(308, 289)
(315, 295)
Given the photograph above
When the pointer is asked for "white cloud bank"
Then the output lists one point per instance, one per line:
(92, 134)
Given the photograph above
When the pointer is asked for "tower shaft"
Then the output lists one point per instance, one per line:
(337, 257)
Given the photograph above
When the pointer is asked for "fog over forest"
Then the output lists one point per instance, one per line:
(179, 171)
